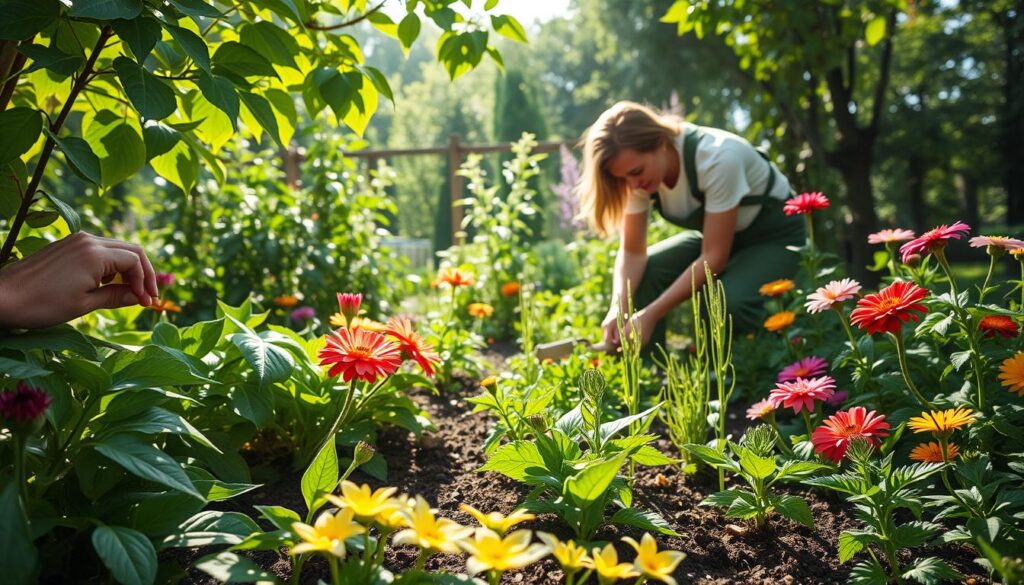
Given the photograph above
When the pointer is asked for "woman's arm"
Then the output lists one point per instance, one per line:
(630, 264)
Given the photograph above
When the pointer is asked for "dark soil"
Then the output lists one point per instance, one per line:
(442, 468)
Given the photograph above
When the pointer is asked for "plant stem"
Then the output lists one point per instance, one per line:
(988, 277)
(28, 196)
(891, 248)
(335, 576)
(901, 355)
(807, 421)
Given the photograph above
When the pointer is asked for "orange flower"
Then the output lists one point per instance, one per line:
(161, 305)
(777, 288)
(286, 301)
(412, 345)
(358, 353)
(780, 321)
(1011, 373)
(480, 310)
(454, 277)
(998, 324)
(931, 452)
(510, 289)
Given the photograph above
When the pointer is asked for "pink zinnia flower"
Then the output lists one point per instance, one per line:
(890, 236)
(165, 279)
(303, 314)
(886, 311)
(834, 292)
(348, 304)
(761, 409)
(802, 392)
(23, 404)
(998, 242)
(834, 435)
(838, 398)
(359, 353)
(934, 239)
(805, 203)
(809, 367)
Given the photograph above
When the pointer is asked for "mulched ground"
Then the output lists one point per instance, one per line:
(442, 467)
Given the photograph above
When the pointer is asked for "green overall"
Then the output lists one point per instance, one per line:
(758, 253)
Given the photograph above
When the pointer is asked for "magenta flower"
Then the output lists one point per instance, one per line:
(165, 279)
(23, 404)
(805, 203)
(891, 236)
(809, 367)
(934, 239)
(301, 314)
(760, 409)
(834, 292)
(837, 399)
(802, 392)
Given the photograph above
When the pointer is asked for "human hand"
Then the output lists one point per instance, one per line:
(610, 328)
(644, 321)
(69, 278)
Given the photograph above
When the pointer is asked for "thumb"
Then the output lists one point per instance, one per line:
(111, 296)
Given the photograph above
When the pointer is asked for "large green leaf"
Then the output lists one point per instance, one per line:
(610, 429)
(140, 34)
(234, 59)
(192, 44)
(146, 461)
(79, 156)
(196, 8)
(713, 457)
(128, 554)
(409, 30)
(20, 128)
(58, 338)
(17, 553)
(321, 476)
(220, 92)
(931, 571)
(794, 508)
(253, 402)
(279, 516)
(260, 109)
(118, 144)
(211, 527)
(507, 26)
(23, 19)
(105, 9)
(643, 520)
(157, 420)
(149, 94)
(271, 363)
(513, 459)
(156, 366)
(227, 567)
(272, 42)
(20, 370)
(52, 59)
(67, 212)
(757, 466)
(852, 542)
(179, 165)
(590, 484)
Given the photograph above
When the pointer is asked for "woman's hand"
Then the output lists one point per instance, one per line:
(645, 320)
(67, 279)
(610, 328)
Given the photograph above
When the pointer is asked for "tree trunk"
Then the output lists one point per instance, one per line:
(917, 170)
(1012, 139)
(855, 167)
(967, 186)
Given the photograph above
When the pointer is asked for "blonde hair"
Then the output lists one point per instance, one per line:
(625, 125)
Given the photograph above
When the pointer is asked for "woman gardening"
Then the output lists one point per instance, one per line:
(713, 182)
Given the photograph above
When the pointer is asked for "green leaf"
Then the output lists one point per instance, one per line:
(140, 34)
(379, 82)
(200, 338)
(67, 212)
(253, 402)
(105, 9)
(875, 30)
(20, 128)
(79, 155)
(279, 516)
(23, 19)
(260, 108)
(643, 520)
(196, 9)
(146, 461)
(159, 514)
(234, 59)
(159, 139)
(959, 358)
(59, 338)
(20, 370)
(157, 420)
(128, 554)
(52, 59)
(227, 567)
(852, 542)
(610, 429)
(118, 144)
(272, 42)
(179, 165)
(916, 533)
(590, 484)
(507, 26)
(17, 553)
(931, 571)
(794, 508)
(192, 44)
(713, 457)
(408, 31)
(757, 466)
(743, 506)
(513, 459)
(868, 572)
(156, 366)
(321, 476)
(150, 96)
(651, 457)
(271, 363)
(13, 180)
(210, 527)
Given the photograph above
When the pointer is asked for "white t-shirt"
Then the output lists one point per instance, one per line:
(728, 169)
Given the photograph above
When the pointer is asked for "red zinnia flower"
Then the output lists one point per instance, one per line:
(998, 324)
(23, 404)
(802, 392)
(933, 239)
(510, 289)
(805, 203)
(809, 367)
(348, 304)
(834, 435)
(358, 353)
(413, 345)
(887, 310)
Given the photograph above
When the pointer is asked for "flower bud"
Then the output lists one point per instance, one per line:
(592, 384)
(22, 409)
(348, 304)
(363, 453)
(859, 451)
(913, 260)
(538, 422)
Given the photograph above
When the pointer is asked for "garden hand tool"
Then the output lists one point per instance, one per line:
(562, 348)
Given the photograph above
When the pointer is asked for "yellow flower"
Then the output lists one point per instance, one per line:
(780, 321)
(568, 554)
(941, 422)
(490, 552)
(609, 569)
(480, 310)
(338, 320)
(776, 288)
(366, 505)
(488, 381)
(495, 520)
(653, 564)
(932, 452)
(1011, 373)
(396, 516)
(328, 534)
(429, 532)
(286, 301)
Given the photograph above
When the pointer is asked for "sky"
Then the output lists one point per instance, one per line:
(529, 11)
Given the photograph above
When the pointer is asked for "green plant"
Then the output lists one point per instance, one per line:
(513, 408)
(755, 462)
(877, 489)
(578, 484)
(685, 401)
(712, 319)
